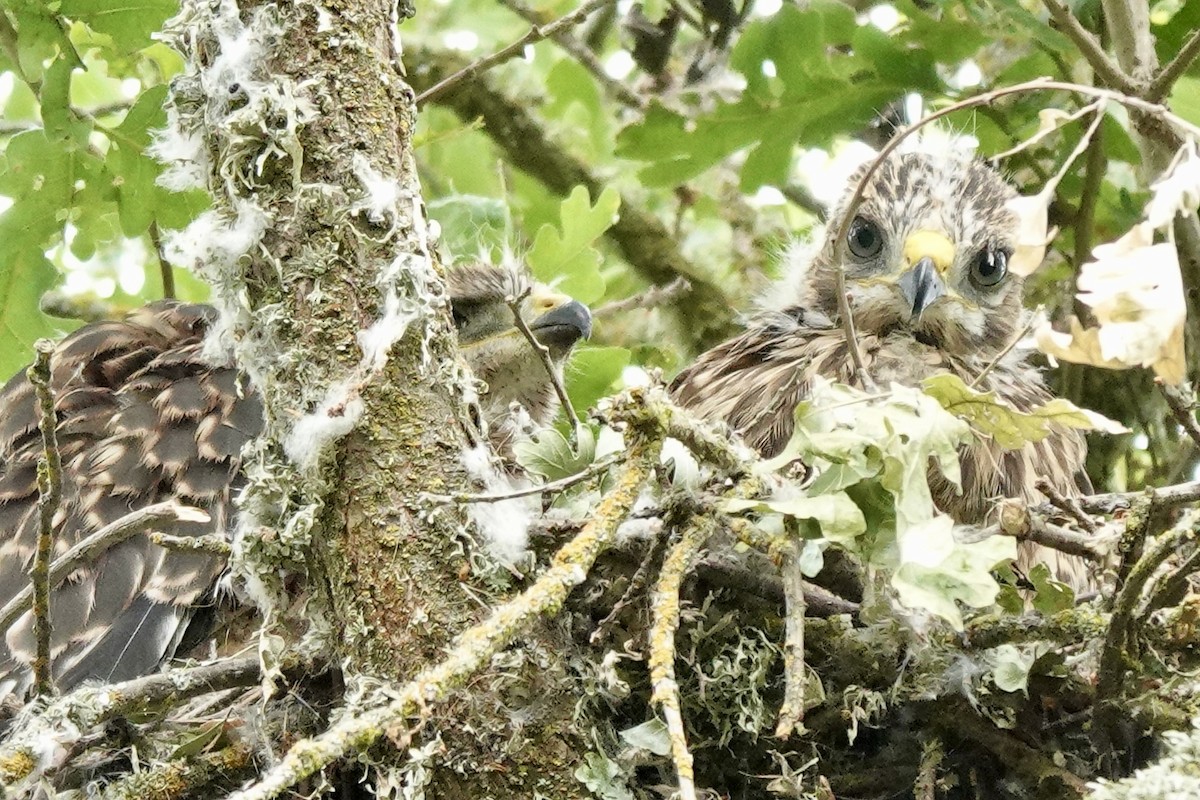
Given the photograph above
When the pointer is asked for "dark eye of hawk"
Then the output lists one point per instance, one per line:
(865, 240)
(989, 267)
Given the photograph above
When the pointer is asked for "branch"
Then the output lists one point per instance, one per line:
(49, 482)
(1068, 505)
(213, 544)
(1113, 656)
(1106, 503)
(183, 777)
(1017, 756)
(1021, 522)
(514, 304)
(654, 296)
(1089, 46)
(791, 712)
(664, 606)
(595, 470)
(535, 34)
(1162, 84)
(1064, 628)
(581, 53)
(475, 647)
(1183, 409)
(74, 715)
(86, 551)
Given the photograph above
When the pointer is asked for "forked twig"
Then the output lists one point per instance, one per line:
(593, 471)
(535, 34)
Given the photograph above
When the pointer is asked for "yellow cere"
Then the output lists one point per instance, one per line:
(929, 244)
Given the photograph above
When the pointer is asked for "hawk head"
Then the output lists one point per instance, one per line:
(926, 253)
(497, 351)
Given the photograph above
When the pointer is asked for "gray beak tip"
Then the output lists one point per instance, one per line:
(921, 286)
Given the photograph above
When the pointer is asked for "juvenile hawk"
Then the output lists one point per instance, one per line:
(926, 272)
(142, 418)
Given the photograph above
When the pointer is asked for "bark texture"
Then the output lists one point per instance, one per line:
(332, 301)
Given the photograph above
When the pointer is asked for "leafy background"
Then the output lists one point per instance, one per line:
(725, 125)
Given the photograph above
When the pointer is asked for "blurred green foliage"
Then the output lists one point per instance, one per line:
(695, 115)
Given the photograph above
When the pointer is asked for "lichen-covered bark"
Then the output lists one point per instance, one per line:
(306, 125)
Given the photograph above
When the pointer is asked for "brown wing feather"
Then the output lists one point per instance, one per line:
(142, 418)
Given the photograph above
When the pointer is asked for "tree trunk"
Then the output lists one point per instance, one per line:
(323, 270)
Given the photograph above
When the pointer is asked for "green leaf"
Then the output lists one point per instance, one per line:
(1012, 429)
(840, 519)
(550, 455)
(603, 777)
(591, 373)
(1051, 595)
(564, 256)
(128, 22)
(205, 738)
(24, 276)
(650, 735)
(937, 572)
(1010, 668)
(472, 226)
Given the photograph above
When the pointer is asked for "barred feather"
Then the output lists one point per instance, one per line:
(142, 418)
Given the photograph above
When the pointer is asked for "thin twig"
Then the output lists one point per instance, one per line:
(535, 34)
(1170, 588)
(1179, 494)
(1069, 505)
(795, 674)
(654, 296)
(847, 315)
(631, 591)
(661, 636)
(107, 537)
(1042, 133)
(581, 53)
(1106, 68)
(596, 469)
(164, 267)
(1164, 81)
(1022, 523)
(987, 98)
(543, 352)
(213, 544)
(1013, 342)
(49, 482)
(1183, 409)
(1084, 223)
(799, 195)
(475, 647)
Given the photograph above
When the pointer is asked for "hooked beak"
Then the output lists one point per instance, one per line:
(562, 326)
(921, 285)
(931, 255)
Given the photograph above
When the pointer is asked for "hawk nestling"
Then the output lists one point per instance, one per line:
(143, 418)
(926, 274)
